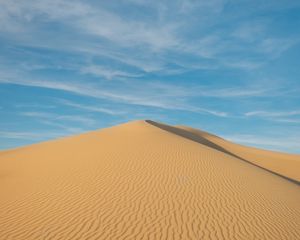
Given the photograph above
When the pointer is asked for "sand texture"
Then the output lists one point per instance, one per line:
(147, 180)
(286, 165)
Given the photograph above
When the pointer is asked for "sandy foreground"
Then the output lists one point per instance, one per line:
(147, 180)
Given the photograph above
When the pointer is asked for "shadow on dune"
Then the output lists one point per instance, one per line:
(202, 140)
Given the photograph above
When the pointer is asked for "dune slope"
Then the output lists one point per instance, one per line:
(141, 180)
(286, 165)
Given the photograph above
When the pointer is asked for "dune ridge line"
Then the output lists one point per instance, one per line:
(202, 140)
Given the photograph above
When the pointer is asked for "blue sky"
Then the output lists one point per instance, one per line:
(228, 67)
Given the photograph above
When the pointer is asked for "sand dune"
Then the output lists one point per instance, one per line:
(146, 180)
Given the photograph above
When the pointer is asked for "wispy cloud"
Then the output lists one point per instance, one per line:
(158, 95)
(97, 30)
(33, 106)
(235, 92)
(288, 120)
(274, 47)
(286, 117)
(290, 143)
(244, 64)
(54, 117)
(107, 73)
(91, 108)
(31, 135)
(273, 113)
(86, 17)
(249, 31)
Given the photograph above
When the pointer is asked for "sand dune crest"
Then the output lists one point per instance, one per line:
(283, 164)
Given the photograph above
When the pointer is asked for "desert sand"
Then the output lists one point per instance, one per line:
(283, 164)
(148, 180)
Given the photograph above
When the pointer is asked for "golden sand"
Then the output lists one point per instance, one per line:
(146, 180)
